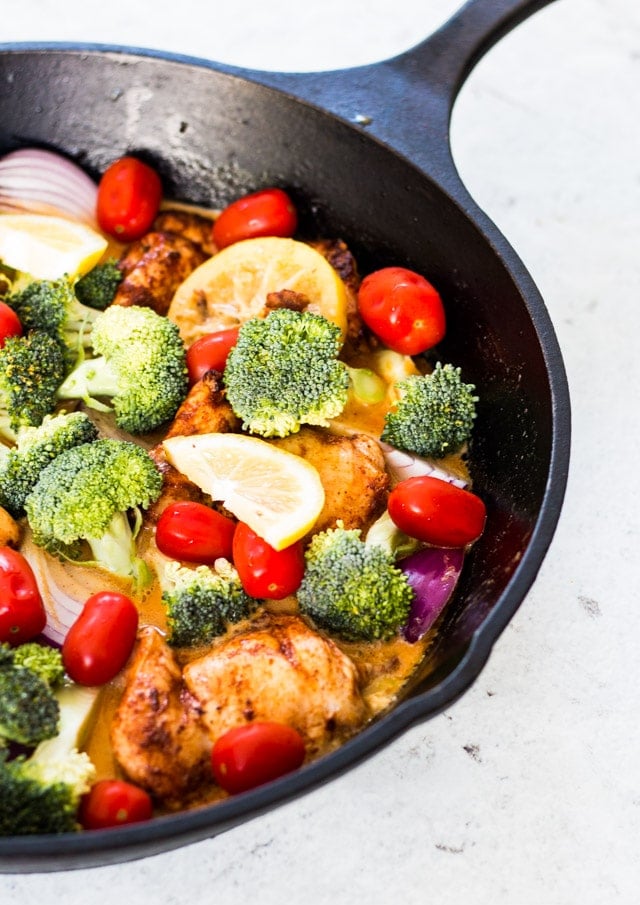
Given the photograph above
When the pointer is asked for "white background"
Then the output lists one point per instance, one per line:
(527, 790)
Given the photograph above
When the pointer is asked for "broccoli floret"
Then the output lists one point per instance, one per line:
(41, 793)
(434, 415)
(29, 711)
(41, 659)
(52, 306)
(86, 494)
(35, 448)
(283, 372)
(353, 589)
(200, 603)
(140, 364)
(32, 367)
(98, 287)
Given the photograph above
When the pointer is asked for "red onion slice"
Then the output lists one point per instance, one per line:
(433, 574)
(34, 180)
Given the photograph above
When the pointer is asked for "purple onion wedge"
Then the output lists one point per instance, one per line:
(432, 573)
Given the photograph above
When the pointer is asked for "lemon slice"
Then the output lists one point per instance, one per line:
(47, 247)
(278, 494)
(233, 285)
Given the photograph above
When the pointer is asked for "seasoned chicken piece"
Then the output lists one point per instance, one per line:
(279, 670)
(189, 224)
(338, 255)
(352, 471)
(205, 410)
(153, 268)
(157, 734)
(287, 298)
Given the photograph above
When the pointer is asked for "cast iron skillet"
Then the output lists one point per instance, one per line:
(376, 171)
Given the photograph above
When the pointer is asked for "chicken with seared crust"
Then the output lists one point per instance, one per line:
(153, 268)
(279, 670)
(157, 734)
(352, 471)
(205, 410)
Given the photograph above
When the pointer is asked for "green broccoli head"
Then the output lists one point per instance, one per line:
(98, 287)
(33, 803)
(284, 372)
(31, 369)
(434, 415)
(41, 659)
(41, 793)
(200, 603)
(140, 365)
(352, 589)
(35, 448)
(85, 494)
(52, 306)
(29, 711)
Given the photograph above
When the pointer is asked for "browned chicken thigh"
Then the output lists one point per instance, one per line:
(283, 671)
(352, 471)
(157, 734)
(276, 669)
(153, 268)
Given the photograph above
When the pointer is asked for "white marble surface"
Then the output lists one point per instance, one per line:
(526, 792)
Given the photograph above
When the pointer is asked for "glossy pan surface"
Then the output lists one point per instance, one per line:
(366, 154)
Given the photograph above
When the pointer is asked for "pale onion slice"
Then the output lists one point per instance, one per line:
(63, 586)
(402, 465)
(33, 180)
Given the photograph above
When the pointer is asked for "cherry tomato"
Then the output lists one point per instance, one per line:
(265, 572)
(9, 323)
(250, 755)
(22, 612)
(209, 353)
(99, 642)
(193, 532)
(113, 802)
(402, 309)
(129, 196)
(270, 212)
(437, 512)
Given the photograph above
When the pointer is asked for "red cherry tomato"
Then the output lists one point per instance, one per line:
(129, 196)
(437, 512)
(209, 353)
(258, 752)
(113, 802)
(9, 323)
(193, 532)
(402, 309)
(270, 212)
(22, 612)
(265, 572)
(99, 642)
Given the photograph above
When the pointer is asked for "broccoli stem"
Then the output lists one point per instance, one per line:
(93, 377)
(116, 551)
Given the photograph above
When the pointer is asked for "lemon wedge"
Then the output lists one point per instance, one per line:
(278, 494)
(232, 286)
(48, 247)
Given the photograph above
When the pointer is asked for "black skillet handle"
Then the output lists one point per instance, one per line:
(406, 101)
